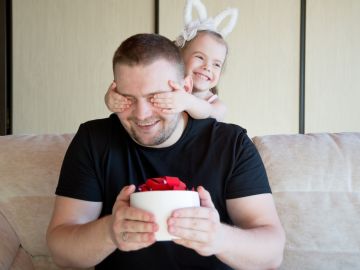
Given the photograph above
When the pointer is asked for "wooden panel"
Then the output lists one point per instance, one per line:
(62, 58)
(332, 66)
(260, 84)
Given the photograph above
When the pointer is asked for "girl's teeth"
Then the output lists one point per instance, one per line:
(202, 76)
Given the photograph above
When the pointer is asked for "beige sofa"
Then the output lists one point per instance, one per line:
(315, 180)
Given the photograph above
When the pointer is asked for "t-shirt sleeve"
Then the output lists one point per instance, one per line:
(248, 176)
(78, 176)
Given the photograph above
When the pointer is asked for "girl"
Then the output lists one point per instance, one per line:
(204, 52)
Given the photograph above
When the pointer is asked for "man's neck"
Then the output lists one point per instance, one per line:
(178, 132)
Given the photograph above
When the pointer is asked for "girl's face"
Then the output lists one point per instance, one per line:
(204, 57)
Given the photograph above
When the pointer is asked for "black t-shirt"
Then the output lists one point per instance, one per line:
(102, 158)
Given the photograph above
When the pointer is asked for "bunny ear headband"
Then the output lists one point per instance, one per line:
(203, 22)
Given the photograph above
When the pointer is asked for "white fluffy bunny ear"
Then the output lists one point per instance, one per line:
(233, 12)
(191, 27)
(200, 8)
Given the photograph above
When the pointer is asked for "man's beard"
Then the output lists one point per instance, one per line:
(162, 136)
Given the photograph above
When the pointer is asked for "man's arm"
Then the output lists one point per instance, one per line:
(77, 238)
(255, 242)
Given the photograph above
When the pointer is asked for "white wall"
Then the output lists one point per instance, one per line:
(62, 52)
(62, 58)
(260, 82)
(332, 66)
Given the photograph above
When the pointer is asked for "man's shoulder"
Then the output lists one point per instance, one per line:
(219, 127)
(100, 128)
(231, 127)
(101, 123)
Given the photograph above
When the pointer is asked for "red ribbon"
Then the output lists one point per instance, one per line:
(163, 183)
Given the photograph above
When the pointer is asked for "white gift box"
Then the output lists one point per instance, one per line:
(162, 204)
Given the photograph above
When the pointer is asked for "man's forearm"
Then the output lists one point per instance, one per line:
(259, 248)
(81, 245)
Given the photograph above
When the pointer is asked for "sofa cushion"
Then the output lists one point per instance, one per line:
(29, 217)
(22, 261)
(315, 179)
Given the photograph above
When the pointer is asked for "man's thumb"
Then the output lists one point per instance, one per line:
(124, 194)
(205, 198)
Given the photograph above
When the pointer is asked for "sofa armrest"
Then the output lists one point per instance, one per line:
(9, 244)
(315, 180)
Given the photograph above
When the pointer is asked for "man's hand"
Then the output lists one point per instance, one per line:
(198, 228)
(131, 228)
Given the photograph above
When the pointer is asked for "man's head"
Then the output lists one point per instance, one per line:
(143, 66)
(144, 49)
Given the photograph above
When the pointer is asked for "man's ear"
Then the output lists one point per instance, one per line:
(188, 84)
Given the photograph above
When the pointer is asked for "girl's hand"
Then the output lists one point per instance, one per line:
(172, 102)
(114, 101)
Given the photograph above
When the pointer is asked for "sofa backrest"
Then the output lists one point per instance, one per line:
(29, 171)
(315, 180)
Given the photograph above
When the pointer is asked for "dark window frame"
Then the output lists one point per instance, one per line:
(5, 68)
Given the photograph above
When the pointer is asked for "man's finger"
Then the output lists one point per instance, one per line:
(124, 194)
(135, 214)
(205, 198)
(193, 212)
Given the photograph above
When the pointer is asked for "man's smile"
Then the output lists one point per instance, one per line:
(146, 125)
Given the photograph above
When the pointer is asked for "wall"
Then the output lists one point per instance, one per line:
(63, 49)
(260, 81)
(333, 66)
(62, 53)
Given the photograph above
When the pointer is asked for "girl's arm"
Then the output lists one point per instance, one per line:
(180, 100)
(215, 109)
(114, 101)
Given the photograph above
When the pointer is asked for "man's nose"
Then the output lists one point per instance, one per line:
(143, 109)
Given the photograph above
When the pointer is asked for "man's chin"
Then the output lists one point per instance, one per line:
(148, 142)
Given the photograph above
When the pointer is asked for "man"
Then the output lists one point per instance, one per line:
(93, 224)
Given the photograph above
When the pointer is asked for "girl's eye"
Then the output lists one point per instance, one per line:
(217, 65)
(199, 57)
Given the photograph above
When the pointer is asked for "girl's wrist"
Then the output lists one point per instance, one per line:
(191, 101)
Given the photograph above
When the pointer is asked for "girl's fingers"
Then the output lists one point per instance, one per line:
(163, 105)
(163, 95)
(162, 100)
(169, 111)
(112, 86)
(174, 85)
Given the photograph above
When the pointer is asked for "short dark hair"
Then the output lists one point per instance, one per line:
(144, 49)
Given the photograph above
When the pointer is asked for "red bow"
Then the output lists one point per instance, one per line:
(163, 183)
